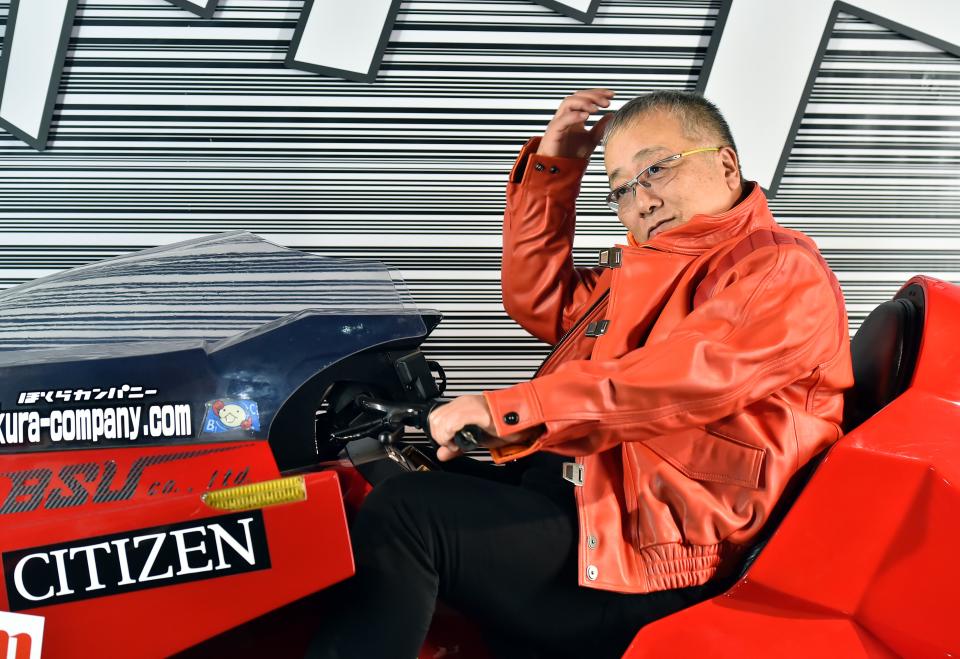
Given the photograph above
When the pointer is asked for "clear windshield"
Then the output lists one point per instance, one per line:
(209, 289)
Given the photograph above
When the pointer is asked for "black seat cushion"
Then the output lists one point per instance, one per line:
(884, 352)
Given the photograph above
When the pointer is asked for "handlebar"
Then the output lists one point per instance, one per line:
(398, 415)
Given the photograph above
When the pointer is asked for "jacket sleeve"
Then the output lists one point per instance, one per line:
(542, 290)
(774, 318)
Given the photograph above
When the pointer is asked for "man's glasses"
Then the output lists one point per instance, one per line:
(652, 177)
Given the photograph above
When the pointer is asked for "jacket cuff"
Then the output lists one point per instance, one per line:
(549, 173)
(514, 409)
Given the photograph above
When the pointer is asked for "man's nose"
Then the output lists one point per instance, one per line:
(646, 201)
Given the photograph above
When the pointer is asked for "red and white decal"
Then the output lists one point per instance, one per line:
(21, 636)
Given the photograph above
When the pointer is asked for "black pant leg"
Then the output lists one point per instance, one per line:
(420, 536)
(504, 555)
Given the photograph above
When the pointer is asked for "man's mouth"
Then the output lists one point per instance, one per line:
(657, 226)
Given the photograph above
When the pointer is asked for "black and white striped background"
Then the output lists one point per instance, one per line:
(169, 127)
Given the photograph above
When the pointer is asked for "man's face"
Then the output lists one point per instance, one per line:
(701, 183)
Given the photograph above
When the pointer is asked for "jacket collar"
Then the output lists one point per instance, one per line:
(703, 232)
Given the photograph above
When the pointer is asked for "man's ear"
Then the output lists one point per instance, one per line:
(731, 167)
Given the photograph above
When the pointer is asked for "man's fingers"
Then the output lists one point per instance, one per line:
(573, 115)
(445, 453)
(599, 128)
(567, 134)
(598, 92)
(577, 107)
(576, 110)
(593, 97)
(443, 436)
(586, 103)
(438, 427)
(603, 91)
(567, 121)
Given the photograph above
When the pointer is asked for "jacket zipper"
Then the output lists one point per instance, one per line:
(583, 319)
(576, 326)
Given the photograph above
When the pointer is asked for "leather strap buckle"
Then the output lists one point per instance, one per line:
(610, 257)
(573, 472)
(597, 328)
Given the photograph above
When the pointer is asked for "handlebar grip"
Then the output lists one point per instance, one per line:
(468, 438)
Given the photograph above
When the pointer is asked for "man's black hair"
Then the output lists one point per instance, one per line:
(699, 117)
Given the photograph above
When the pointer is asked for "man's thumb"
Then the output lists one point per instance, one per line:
(596, 133)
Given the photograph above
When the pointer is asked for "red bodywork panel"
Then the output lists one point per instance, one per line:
(864, 564)
(307, 545)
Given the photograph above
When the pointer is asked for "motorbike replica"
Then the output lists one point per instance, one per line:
(185, 431)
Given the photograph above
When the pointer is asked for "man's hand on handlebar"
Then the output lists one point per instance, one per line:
(567, 135)
(468, 410)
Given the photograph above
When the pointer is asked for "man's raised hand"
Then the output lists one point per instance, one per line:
(567, 135)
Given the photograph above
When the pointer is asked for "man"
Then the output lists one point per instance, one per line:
(693, 373)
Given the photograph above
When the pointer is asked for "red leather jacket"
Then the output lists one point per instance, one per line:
(719, 374)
